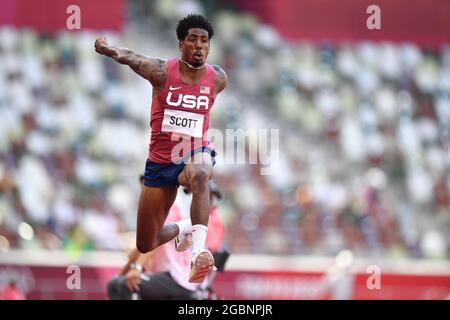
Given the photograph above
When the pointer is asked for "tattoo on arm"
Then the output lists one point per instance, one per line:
(221, 80)
(152, 69)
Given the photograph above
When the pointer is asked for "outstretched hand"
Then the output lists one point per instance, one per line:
(101, 45)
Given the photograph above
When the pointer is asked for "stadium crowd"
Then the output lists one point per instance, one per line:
(364, 159)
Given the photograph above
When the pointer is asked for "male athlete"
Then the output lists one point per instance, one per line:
(184, 90)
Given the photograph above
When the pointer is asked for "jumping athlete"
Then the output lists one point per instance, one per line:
(184, 90)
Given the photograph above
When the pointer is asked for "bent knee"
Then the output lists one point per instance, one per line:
(145, 246)
(200, 176)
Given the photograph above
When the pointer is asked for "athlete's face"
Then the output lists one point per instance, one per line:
(195, 47)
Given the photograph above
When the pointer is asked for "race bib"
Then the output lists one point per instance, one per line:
(183, 122)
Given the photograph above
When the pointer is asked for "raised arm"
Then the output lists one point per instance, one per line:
(152, 69)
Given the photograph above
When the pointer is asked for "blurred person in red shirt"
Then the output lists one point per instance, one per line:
(12, 292)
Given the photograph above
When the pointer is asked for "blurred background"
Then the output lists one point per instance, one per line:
(364, 166)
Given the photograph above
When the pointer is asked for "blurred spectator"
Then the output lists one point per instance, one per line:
(12, 292)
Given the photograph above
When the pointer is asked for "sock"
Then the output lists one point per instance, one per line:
(184, 226)
(199, 232)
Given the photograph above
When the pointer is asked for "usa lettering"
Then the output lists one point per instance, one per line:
(188, 101)
(183, 122)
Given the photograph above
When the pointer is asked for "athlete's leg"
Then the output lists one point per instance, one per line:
(154, 206)
(196, 174)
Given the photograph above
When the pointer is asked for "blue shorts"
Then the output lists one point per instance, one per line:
(162, 175)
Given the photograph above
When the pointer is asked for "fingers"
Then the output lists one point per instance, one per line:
(129, 286)
(100, 43)
(133, 284)
(133, 280)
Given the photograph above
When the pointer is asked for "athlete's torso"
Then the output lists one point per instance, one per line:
(180, 115)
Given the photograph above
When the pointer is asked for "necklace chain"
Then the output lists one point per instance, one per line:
(191, 66)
